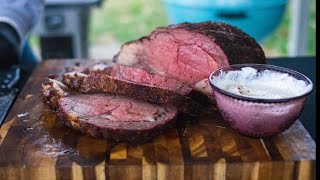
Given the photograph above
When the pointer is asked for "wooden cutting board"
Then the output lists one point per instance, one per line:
(35, 145)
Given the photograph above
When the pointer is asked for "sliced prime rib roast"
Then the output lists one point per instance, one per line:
(189, 52)
(107, 116)
(135, 83)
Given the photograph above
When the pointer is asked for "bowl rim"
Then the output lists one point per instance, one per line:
(262, 100)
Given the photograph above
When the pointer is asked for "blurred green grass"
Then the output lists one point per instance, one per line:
(122, 21)
(118, 21)
(126, 20)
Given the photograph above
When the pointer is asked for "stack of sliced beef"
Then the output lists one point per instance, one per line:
(135, 83)
(154, 79)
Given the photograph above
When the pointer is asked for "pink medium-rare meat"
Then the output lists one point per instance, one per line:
(189, 52)
(107, 116)
(141, 76)
(135, 83)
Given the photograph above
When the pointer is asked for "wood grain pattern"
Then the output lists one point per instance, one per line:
(35, 145)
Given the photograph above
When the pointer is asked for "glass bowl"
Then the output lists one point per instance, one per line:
(257, 116)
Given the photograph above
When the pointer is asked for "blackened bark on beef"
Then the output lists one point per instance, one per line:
(238, 46)
(51, 91)
(107, 116)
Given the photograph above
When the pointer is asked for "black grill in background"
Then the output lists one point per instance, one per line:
(56, 47)
(63, 28)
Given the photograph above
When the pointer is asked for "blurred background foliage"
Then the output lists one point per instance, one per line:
(118, 21)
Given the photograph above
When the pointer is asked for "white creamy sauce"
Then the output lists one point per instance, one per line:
(265, 84)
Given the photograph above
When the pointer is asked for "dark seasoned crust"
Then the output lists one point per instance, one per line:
(52, 94)
(101, 82)
(238, 46)
(51, 91)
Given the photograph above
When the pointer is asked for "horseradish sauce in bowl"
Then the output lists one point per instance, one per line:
(259, 100)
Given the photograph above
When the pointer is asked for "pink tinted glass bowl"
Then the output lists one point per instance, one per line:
(258, 117)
